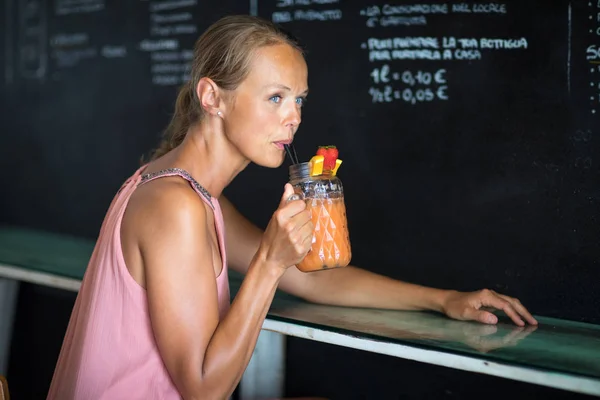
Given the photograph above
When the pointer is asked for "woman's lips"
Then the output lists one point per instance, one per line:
(280, 144)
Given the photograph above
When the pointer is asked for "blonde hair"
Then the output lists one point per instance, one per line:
(224, 54)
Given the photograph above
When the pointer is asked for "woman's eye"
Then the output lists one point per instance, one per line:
(275, 99)
(301, 101)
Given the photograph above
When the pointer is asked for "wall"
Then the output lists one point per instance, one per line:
(467, 130)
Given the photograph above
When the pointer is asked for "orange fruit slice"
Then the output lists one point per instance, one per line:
(338, 162)
(316, 165)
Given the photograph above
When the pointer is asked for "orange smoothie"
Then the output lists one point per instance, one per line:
(331, 242)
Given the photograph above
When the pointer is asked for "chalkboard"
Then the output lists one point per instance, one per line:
(468, 134)
(91, 85)
(468, 130)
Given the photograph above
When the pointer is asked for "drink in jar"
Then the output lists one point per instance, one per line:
(323, 193)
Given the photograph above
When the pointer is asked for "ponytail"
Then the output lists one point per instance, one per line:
(186, 114)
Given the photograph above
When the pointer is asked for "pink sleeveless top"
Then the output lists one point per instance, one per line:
(109, 351)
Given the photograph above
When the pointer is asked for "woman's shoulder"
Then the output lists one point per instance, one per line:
(166, 205)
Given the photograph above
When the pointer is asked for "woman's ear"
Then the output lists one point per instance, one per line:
(209, 95)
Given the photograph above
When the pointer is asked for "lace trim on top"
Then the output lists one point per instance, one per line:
(183, 173)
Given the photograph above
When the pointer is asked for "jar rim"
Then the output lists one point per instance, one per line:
(302, 171)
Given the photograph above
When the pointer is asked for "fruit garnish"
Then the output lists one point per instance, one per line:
(330, 154)
(338, 162)
(316, 165)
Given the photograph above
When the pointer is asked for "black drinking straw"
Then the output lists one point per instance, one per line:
(293, 157)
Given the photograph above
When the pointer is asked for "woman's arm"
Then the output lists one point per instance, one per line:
(242, 241)
(205, 357)
(355, 287)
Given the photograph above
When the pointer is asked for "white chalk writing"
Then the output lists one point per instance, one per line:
(113, 51)
(71, 58)
(171, 5)
(31, 48)
(69, 39)
(171, 21)
(431, 48)
(390, 15)
(418, 86)
(291, 3)
(66, 7)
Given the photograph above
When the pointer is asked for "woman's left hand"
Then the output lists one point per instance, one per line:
(467, 306)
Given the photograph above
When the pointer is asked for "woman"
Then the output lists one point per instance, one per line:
(152, 318)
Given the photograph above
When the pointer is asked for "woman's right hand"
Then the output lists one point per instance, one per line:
(288, 236)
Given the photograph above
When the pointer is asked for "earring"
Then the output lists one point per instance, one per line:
(219, 113)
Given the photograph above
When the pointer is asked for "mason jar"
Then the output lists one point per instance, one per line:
(324, 196)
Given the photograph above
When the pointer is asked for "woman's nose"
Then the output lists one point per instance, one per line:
(293, 117)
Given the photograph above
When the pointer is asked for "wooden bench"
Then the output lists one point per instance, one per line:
(558, 353)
